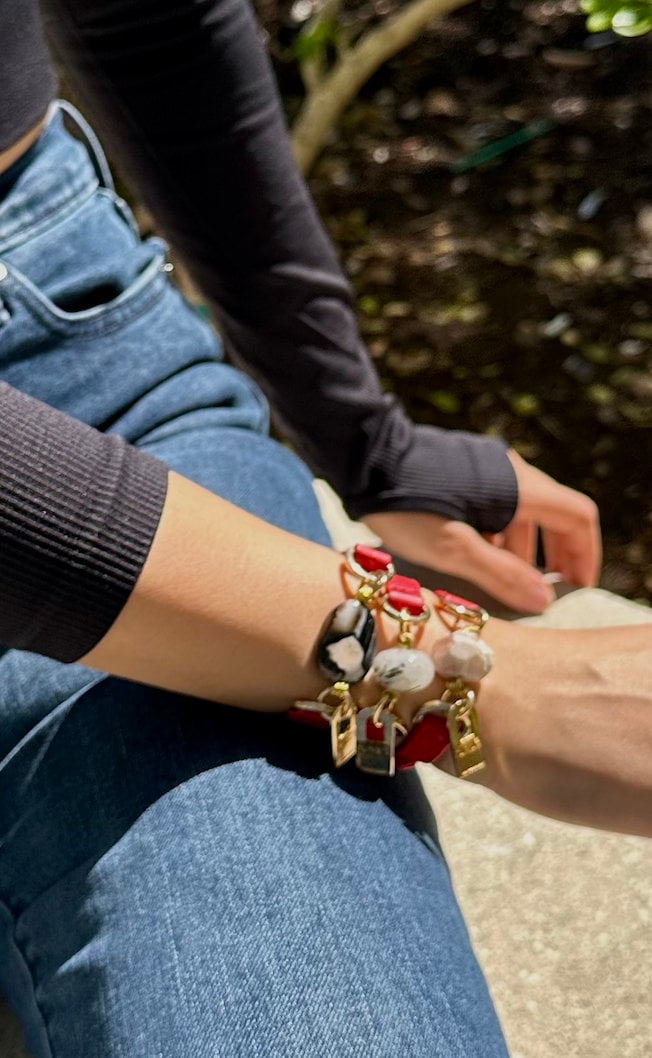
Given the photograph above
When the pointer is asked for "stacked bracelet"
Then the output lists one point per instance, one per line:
(375, 735)
(461, 659)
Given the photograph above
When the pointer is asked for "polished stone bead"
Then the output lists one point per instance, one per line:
(346, 649)
(400, 669)
(462, 655)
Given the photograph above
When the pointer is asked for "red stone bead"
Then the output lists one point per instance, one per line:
(311, 719)
(371, 559)
(404, 593)
(448, 598)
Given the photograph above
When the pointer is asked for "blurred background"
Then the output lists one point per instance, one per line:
(490, 191)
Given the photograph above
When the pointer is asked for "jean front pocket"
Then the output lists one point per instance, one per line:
(106, 306)
(85, 268)
(96, 325)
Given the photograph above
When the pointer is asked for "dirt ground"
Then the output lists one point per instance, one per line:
(511, 295)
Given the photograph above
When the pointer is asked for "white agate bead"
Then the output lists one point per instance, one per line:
(462, 655)
(400, 669)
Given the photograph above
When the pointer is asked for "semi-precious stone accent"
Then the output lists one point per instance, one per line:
(400, 669)
(347, 646)
(464, 655)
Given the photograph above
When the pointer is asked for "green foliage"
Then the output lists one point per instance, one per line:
(311, 43)
(443, 400)
(525, 404)
(631, 18)
(369, 305)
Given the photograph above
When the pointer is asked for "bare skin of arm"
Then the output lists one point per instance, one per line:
(228, 608)
(13, 153)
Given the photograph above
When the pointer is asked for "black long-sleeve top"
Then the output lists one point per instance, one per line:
(183, 94)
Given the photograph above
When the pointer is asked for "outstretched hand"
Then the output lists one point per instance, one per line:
(503, 564)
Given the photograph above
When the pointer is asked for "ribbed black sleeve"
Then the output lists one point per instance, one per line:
(78, 512)
(183, 94)
(27, 80)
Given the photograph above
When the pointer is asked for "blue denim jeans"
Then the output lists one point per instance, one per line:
(179, 879)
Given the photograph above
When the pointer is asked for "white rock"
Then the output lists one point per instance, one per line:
(399, 669)
(346, 616)
(348, 656)
(462, 654)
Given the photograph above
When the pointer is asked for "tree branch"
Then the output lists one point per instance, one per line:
(313, 70)
(327, 99)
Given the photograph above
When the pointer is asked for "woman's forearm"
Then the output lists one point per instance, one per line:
(227, 607)
(230, 608)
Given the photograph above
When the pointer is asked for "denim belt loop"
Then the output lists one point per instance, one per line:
(93, 145)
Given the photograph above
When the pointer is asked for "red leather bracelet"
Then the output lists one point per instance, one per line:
(426, 741)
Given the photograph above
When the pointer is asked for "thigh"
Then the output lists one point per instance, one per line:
(248, 469)
(185, 879)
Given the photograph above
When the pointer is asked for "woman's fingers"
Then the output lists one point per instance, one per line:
(454, 547)
(508, 576)
(520, 537)
(569, 520)
(578, 566)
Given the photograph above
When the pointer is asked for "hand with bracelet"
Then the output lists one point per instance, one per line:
(565, 716)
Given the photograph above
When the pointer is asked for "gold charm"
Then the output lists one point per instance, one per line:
(337, 709)
(341, 717)
(343, 733)
(376, 741)
(466, 743)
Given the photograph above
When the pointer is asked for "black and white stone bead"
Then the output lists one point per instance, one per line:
(400, 669)
(346, 649)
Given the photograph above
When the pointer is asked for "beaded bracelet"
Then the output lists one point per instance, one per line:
(375, 735)
(461, 658)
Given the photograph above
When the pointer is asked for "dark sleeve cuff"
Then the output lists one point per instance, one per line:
(457, 475)
(78, 513)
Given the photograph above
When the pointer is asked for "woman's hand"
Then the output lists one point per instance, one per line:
(565, 718)
(503, 565)
(566, 721)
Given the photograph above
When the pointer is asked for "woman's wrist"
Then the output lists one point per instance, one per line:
(567, 723)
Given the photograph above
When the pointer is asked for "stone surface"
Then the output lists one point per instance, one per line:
(346, 648)
(463, 654)
(401, 669)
